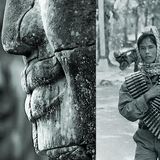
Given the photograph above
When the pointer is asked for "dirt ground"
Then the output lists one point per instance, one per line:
(114, 133)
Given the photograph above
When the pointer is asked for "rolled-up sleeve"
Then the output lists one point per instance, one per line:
(131, 109)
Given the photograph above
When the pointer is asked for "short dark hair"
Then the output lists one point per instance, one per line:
(143, 36)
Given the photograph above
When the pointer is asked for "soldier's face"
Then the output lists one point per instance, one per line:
(59, 77)
(148, 50)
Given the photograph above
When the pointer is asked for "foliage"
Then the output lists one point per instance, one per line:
(123, 22)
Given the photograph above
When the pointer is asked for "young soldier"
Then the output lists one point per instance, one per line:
(138, 99)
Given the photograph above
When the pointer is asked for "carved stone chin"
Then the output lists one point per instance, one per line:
(58, 45)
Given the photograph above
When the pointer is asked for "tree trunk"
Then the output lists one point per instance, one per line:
(146, 17)
(137, 20)
(153, 20)
(125, 29)
(107, 30)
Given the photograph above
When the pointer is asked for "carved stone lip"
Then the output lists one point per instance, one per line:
(32, 76)
(33, 80)
(49, 109)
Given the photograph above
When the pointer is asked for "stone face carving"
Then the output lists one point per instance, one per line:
(15, 136)
(57, 40)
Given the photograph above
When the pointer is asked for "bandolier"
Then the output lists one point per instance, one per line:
(137, 86)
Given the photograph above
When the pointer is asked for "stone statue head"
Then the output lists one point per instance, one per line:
(57, 42)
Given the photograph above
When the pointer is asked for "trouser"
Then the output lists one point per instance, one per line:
(148, 146)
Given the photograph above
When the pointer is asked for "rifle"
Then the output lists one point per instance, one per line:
(126, 58)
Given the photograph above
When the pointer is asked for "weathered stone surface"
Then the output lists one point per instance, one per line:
(47, 98)
(33, 34)
(64, 111)
(41, 72)
(69, 23)
(16, 10)
(59, 77)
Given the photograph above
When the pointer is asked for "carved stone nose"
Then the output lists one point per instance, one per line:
(14, 14)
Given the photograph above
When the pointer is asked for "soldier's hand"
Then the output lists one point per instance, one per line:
(152, 93)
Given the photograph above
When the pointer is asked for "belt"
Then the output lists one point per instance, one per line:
(143, 126)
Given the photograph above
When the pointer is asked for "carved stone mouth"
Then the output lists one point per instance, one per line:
(44, 82)
(40, 107)
(40, 72)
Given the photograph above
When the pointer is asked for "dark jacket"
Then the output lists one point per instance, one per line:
(134, 109)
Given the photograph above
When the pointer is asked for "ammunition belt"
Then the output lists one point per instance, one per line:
(137, 86)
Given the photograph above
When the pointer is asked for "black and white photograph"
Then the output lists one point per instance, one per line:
(127, 80)
(48, 80)
(80, 80)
